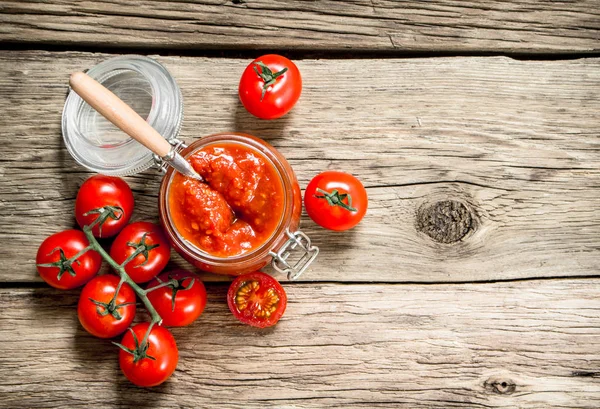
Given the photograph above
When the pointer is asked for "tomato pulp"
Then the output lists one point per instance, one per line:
(238, 208)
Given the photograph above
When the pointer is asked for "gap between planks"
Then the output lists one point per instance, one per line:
(295, 54)
(215, 281)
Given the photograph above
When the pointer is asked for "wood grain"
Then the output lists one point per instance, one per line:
(516, 142)
(531, 344)
(533, 26)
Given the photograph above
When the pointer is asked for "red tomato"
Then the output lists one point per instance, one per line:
(135, 357)
(113, 195)
(335, 200)
(53, 256)
(98, 315)
(155, 250)
(270, 86)
(257, 299)
(178, 305)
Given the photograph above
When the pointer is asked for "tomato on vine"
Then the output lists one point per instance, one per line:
(257, 299)
(106, 202)
(178, 304)
(270, 86)
(148, 358)
(335, 200)
(102, 311)
(65, 260)
(148, 248)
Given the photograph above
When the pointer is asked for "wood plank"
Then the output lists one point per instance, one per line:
(516, 142)
(534, 26)
(532, 344)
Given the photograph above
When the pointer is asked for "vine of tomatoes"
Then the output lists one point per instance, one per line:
(107, 304)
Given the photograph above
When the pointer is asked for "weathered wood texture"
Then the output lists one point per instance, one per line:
(516, 142)
(382, 25)
(532, 344)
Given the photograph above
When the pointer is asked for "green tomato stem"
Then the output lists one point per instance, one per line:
(268, 76)
(133, 255)
(120, 269)
(147, 334)
(113, 301)
(65, 264)
(113, 212)
(334, 198)
(81, 253)
(171, 282)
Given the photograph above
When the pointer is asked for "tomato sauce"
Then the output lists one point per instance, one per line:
(237, 209)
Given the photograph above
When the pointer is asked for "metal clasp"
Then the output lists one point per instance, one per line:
(160, 163)
(295, 240)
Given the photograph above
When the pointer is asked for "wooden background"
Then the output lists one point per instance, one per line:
(492, 105)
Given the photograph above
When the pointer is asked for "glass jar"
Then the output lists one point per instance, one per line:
(144, 85)
(275, 250)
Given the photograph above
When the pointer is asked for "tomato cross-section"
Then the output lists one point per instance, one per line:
(257, 299)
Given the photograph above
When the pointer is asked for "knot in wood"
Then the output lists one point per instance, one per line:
(445, 221)
(500, 386)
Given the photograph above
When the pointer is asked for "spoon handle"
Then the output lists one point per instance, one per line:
(119, 113)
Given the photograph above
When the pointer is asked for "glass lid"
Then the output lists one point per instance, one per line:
(149, 89)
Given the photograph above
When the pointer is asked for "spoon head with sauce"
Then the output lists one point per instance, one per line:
(174, 159)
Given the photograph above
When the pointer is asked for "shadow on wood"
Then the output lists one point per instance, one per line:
(268, 130)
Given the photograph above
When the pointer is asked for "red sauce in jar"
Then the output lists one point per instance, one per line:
(237, 209)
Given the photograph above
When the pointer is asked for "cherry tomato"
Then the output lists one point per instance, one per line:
(53, 256)
(155, 250)
(270, 86)
(98, 315)
(335, 200)
(178, 305)
(257, 299)
(136, 359)
(106, 197)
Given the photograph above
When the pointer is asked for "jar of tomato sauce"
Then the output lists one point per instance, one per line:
(244, 215)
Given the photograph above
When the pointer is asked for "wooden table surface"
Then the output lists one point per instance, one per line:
(485, 111)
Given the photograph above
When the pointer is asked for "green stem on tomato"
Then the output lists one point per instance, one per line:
(65, 264)
(269, 77)
(95, 222)
(172, 282)
(114, 212)
(146, 335)
(334, 198)
(112, 304)
(120, 269)
(119, 286)
(133, 255)
(70, 260)
(81, 253)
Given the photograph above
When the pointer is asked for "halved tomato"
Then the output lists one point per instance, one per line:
(257, 299)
